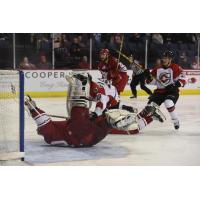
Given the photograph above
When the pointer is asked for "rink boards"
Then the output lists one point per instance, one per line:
(50, 83)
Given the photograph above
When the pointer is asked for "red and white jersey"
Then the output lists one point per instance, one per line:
(122, 67)
(111, 68)
(104, 95)
(168, 76)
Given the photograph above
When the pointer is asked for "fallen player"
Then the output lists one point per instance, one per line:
(104, 95)
(79, 130)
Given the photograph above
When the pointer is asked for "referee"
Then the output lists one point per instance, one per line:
(138, 76)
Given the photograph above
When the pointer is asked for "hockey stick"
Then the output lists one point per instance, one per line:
(126, 57)
(138, 65)
(120, 51)
(57, 116)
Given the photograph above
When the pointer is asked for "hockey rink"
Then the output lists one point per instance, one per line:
(158, 144)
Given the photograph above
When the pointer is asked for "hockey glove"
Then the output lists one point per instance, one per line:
(173, 86)
(93, 116)
(146, 73)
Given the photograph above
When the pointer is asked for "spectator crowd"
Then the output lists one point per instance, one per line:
(72, 50)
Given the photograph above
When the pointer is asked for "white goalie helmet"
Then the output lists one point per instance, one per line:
(78, 90)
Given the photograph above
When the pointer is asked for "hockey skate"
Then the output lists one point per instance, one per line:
(155, 111)
(158, 115)
(29, 103)
(176, 124)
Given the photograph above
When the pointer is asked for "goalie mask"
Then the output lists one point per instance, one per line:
(78, 90)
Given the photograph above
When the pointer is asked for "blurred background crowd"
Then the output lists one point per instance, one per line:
(81, 50)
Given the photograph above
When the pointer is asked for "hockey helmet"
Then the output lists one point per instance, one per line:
(168, 54)
(105, 51)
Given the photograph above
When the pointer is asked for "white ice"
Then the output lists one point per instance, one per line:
(157, 144)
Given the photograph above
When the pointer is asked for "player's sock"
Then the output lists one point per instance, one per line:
(141, 114)
(39, 116)
(143, 122)
(169, 104)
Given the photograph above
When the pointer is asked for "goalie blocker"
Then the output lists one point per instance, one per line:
(78, 130)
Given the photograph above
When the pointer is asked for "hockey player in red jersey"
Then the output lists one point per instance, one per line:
(169, 78)
(79, 130)
(113, 70)
(106, 97)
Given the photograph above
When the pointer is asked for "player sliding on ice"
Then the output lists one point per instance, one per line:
(168, 78)
(105, 95)
(81, 129)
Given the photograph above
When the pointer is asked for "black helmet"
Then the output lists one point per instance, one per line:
(168, 54)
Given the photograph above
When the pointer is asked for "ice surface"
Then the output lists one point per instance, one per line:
(158, 144)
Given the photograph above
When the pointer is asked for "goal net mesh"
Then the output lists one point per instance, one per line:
(11, 115)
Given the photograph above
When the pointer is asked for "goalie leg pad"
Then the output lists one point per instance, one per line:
(78, 91)
(121, 119)
(124, 121)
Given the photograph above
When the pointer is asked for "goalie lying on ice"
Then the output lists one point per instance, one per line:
(79, 130)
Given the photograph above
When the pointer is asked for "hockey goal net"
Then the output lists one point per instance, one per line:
(11, 115)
